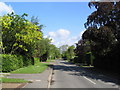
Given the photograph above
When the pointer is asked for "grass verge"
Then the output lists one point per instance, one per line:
(50, 60)
(37, 68)
(13, 80)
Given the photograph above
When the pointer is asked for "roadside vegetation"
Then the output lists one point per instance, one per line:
(13, 80)
(23, 45)
(100, 42)
(67, 52)
(99, 45)
(50, 60)
(37, 68)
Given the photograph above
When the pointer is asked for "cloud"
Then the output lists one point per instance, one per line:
(52, 34)
(63, 37)
(63, 33)
(4, 8)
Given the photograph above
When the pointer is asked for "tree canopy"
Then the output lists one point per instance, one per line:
(23, 37)
(103, 34)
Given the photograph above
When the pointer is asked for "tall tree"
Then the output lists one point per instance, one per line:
(103, 32)
(19, 36)
(83, 52)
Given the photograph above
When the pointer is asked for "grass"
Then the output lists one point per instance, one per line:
(50, 60)
(37, 68)
(13, 80)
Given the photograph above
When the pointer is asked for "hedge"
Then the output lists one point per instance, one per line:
(20, 61)
(27, 61)
(11, 62)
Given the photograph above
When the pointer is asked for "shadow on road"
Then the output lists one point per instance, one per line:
(87, 72)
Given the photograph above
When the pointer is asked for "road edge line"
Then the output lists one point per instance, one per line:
(50, 78)
(89, 80)
(24, 85)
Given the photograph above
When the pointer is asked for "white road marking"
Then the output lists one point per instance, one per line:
(31, 80)
(34, 80)
(50, 78)
(89, 80)
(37, 80)
(25, 85)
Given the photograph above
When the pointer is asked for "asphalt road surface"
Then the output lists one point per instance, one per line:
(66, 75)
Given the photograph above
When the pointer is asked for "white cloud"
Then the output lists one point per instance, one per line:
(63, 37)
(4, 9)
(52, 34)
(63, 33)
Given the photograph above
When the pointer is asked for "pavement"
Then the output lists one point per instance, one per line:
(68, 75)
(12, 85)
(38, 80)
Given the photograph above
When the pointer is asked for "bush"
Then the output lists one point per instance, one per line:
(11, 62)
(27, 61)
(20, 61)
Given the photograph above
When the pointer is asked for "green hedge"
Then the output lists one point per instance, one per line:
(27, 61)
(11, 62)
(20, 61)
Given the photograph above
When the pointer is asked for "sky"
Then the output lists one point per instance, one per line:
(63, 21)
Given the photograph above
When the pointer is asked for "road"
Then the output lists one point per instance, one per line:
(66, 75)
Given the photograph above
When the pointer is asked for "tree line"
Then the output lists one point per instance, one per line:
(67, 52)
(100, 42)
(23, 39)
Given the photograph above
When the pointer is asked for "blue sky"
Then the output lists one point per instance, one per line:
(64, 21)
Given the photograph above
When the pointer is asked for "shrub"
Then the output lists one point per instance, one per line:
(27, 61)
(20, 61)
(11, 62)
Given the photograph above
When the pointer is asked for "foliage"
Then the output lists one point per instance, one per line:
(25, 38)
(36, 60)
(11, 62)
(50, 60)
(63, 48)
(28, 61)
(83, 53)
(23, 44)
(45, 50)
(19, 35)
(103, 34)
(54, 52)
(69, 53)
